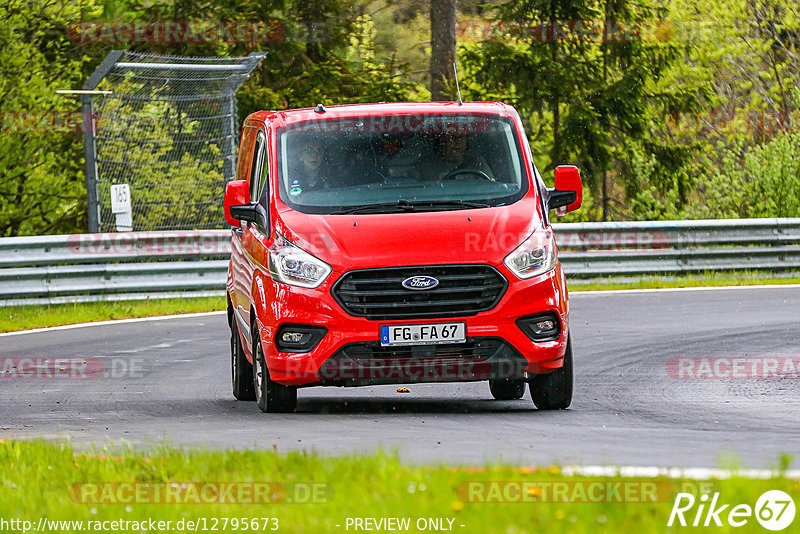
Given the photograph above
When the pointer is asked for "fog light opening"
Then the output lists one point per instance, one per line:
(294, 338)
(542, 327)
(298, 337)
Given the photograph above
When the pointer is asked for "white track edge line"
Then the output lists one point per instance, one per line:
(693, 473)
(573, 292)
(112, 322)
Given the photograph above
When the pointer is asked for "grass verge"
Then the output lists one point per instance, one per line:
(26, 317)
(14, 318)
(708, 279)
(311, 493)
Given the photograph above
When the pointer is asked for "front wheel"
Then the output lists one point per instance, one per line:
(507, 389)
(271, 397)
(553, 391)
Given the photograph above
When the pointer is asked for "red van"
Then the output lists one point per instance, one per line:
(395, 243)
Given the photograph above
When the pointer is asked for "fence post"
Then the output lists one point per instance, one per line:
(89, 133)
(229, 165)
(90, 157)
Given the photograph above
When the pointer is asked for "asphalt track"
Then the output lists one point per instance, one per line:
(627, 410)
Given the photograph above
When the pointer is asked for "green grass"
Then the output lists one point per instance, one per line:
(709, 279)
(26, 317)
(42, 479)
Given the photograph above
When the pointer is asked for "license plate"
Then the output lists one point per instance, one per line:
(423, 334)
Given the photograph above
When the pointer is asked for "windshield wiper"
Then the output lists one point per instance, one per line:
(403, 205)
(384, 207)
(454, 204)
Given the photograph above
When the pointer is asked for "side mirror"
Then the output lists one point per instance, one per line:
(253, 212)
(568, 193)
(237, 192)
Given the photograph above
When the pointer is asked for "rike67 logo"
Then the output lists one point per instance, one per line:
(774, 510)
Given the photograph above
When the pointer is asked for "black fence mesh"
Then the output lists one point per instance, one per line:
(169, 130)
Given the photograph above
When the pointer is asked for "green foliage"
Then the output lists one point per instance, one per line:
(41, 165)
(594, 98)
(648, 196)
(694, 120)
(649, 120)
(740, 62)
(327, 52)
(763, 181)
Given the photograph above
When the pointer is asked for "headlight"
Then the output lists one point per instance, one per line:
(294, 266)
(535, 256)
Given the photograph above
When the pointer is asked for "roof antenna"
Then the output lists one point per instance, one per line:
(458, 89)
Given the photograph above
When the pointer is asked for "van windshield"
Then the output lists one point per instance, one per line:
(423, 162)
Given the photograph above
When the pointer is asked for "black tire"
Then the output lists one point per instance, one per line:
(553, 391)
(241, 370)
(271, 397)
(507, 389)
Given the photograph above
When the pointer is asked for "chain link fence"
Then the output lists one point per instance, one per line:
(165, 129)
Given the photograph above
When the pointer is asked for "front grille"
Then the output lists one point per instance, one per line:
(378, 294)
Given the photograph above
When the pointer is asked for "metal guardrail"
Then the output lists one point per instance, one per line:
(139, 265)
(591, 250)
(79, 249)
(113, 266)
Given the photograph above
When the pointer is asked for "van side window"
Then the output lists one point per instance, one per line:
(538, 182)
(256, 169)
(264, 169)
(246, 152)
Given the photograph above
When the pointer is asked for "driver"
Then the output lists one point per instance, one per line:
(451, 156)
(312, 170)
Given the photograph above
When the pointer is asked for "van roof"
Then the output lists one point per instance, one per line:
(291, 116)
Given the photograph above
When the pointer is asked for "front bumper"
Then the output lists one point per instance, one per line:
(350, 352)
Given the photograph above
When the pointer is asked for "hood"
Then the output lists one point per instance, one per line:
(346, 242)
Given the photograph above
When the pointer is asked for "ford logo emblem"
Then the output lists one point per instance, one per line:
(419, 283)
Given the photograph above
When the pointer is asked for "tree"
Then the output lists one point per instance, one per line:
(443, 47)
(583, 74)
(325, 54)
